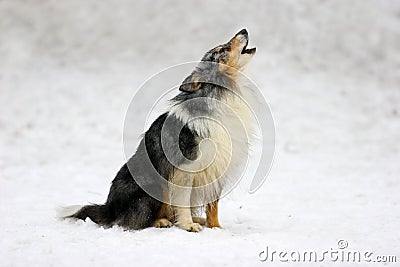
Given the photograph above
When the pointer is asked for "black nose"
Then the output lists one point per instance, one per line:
(243, 32)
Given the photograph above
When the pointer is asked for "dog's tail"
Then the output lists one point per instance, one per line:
(97, 213)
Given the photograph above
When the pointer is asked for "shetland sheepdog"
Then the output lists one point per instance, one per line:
(195, 147)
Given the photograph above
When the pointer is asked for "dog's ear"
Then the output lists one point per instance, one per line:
(192, 83)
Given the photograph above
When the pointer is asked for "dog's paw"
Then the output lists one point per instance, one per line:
(191, 227)
(162, 223)
(213, 225)
(199, 220)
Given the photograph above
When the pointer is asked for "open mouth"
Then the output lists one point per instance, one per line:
(248, 51)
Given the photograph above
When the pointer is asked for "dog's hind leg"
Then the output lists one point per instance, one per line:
(162, 223)
(142, 213)
(165, 215)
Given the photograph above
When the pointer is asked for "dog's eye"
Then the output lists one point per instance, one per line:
(224, 49)
(214, 55)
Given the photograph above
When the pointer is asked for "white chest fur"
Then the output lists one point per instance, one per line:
(223, 149)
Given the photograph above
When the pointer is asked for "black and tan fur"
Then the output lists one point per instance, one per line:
(129, 205)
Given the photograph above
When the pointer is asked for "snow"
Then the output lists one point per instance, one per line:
(329, 70)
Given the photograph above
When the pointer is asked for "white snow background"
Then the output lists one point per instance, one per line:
(330, 71)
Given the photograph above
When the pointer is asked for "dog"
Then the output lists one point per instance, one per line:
(178, 147)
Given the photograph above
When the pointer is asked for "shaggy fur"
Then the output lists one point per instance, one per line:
(198, 144)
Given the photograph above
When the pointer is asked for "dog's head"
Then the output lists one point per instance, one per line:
(226, 59)
(234, 53)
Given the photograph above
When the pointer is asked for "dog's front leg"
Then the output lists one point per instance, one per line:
(212, 215)
(185, 221)
(181, 199)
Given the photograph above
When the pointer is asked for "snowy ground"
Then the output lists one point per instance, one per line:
(330, 72)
